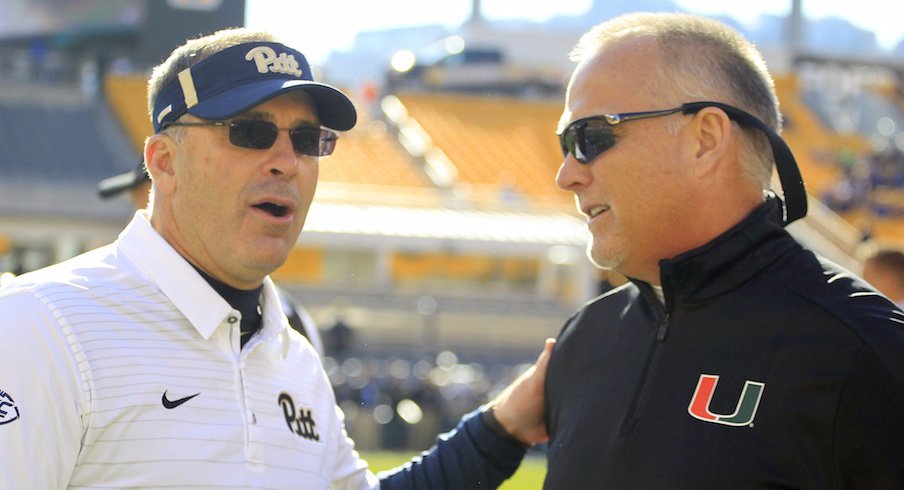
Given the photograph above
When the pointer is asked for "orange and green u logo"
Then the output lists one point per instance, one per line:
(744, 412)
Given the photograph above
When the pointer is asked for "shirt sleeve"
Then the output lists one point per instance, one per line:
(350, 471)
(470, 456)
(41, 396)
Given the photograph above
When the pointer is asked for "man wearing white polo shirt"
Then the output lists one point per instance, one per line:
(137, 184)
(163, 359)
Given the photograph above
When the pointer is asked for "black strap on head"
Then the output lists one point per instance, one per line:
(795, 194)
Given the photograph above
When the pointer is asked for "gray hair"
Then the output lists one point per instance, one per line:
(701, 59)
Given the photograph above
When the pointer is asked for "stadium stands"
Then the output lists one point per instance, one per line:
(367, 162)
(502, 147)
(815, 146)
(127, 96)
(57, 144)
(849, 154)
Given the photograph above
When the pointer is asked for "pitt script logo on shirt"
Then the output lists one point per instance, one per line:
(266, 60)
(744, 412)
(300, 421)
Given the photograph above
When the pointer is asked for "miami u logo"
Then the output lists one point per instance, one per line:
(744, 412)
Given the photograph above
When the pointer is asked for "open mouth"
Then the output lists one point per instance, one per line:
(597, 210)
(273, 209)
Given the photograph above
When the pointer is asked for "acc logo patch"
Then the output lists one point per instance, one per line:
(8, 410)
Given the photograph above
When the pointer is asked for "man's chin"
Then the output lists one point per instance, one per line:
(605, 259)
(268, 258)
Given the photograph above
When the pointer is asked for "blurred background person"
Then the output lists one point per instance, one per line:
(883, 267)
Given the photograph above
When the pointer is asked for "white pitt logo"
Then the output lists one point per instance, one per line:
(266, 59)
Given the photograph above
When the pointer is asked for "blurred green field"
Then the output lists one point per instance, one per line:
(528, 477)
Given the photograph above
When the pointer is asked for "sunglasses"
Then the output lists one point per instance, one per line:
(587, 138)
(260, 135)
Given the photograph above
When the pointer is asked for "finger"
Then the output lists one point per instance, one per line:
(547, 349)
(543, 358)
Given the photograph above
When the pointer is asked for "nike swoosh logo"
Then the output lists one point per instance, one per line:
(171, 404)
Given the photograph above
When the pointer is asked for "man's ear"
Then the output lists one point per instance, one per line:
(714, 135)
(159, 154)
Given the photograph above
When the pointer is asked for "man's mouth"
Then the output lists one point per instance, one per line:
(595, 211)
(273, 209)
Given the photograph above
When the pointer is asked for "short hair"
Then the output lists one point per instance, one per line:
(701, 59)
(196, 50)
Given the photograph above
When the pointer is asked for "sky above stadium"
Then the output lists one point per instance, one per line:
(325, 26)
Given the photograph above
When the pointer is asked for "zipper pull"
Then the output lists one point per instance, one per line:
(663, 328)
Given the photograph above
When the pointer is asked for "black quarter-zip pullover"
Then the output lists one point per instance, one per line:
(767, 367)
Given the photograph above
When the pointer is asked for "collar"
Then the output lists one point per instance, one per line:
(729, 260)
(246, 301)
(204, 308)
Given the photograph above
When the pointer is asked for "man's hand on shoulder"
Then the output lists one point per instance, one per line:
(519, 410)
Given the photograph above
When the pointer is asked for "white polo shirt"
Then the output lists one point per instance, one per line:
(122, 368)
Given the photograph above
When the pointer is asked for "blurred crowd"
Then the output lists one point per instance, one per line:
(875, 183)
(401, 401)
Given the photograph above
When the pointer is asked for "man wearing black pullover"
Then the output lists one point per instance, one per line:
(734, 358)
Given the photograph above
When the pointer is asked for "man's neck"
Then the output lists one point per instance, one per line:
(244, 300)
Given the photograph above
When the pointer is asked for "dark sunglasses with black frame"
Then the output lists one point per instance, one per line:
(588, 137)
(260, 135)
